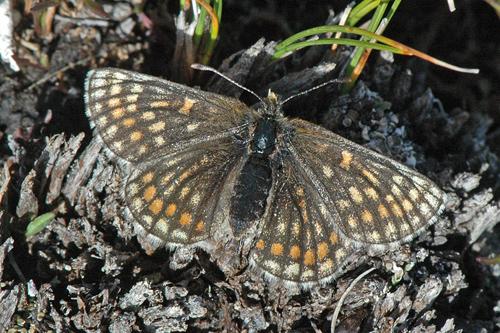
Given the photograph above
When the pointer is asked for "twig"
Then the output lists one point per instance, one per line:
(62, 70)
(344, 295)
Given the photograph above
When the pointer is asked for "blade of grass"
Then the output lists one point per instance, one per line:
(361, 10)
(286, 46)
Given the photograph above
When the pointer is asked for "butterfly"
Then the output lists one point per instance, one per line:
(202, 163)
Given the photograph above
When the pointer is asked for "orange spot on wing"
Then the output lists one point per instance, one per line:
(186, 108)
(260, 244)
(171, 210)
(147, 177)
(185, 219)
(382, 211)
(118, 112)
(366, 216)
(345, 163)
(136, 136)
(149, 193)
(156, 206)
(114, 102)
(295, 252)
(322, 250)
(277, 249)
(309, 258)
(200, 226)
(129, 122)
(334, 238)
(397, 209)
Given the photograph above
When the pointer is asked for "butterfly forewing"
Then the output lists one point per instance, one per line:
(373, 199)
(173, 199)
(140, 117)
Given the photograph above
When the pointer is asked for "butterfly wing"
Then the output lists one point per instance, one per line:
(141, 118)
(298, 242)
(373, 199)
(181, 142)
(331, 196)
(176, 199)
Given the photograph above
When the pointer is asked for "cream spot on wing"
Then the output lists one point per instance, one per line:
(97, 107)
(343, 204)
(159, 104)
(148, 219)
(185, 192)
(407, 205)
(132, 98)
(102, 121)
(397, 179)
(352, 222)
(142, 149)
(148, 177)
(326, 266)
(98, 83)
(132, 108)
(327, 171)
(99, 93)
(431, 200)
(391, 228)
(148, 115)
(292, 271)
(395, 189)
(179, 234)
(133, 189)
(425, 209)
(414, 194)
(195, 200)
(118, 145)
(137, 88)
(137, 204)
(114, 102)
(355, 195)
(370, 176)
(374, 236)
(115, 89)
(192, 127)
(371, 193)
(162, 226)
(159, 141)
(156, 127)
(111, 131)
(119, 76)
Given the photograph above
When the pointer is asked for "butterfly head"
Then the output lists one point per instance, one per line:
(271, 105)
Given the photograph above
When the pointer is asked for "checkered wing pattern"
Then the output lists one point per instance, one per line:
(298, 241)
(141, 118)
(176, 198)
(181, 142)
(373, 199)
(332, 196)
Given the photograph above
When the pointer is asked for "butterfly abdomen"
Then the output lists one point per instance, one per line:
(255, 179)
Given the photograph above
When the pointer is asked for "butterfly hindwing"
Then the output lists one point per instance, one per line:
(175, 199)
(140, 117)
(297, 242)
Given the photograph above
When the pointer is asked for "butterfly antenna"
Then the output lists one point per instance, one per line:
(213, 70)
(313, 88)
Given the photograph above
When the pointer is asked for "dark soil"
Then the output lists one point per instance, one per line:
(87, 271)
